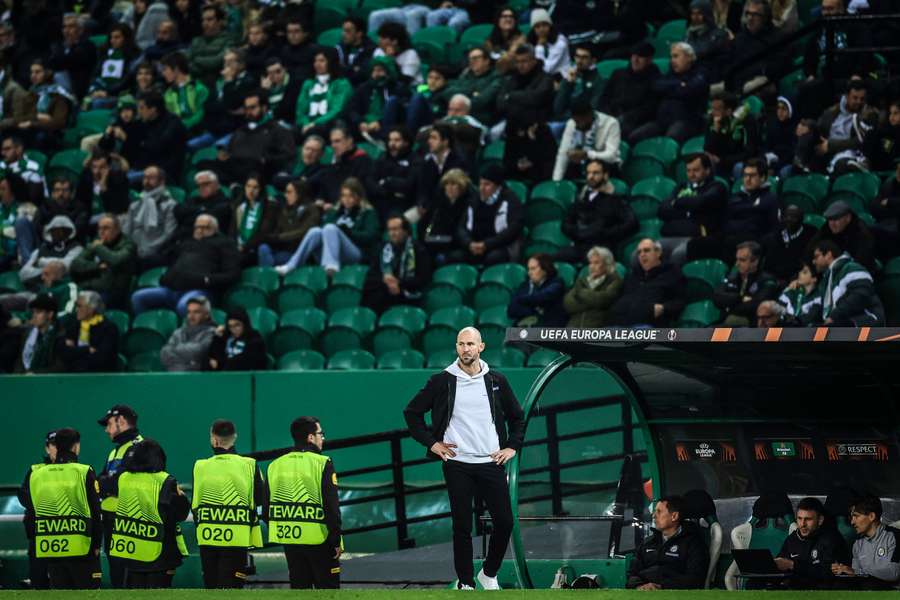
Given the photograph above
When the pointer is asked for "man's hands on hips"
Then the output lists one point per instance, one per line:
(501, 457)
(445, 451)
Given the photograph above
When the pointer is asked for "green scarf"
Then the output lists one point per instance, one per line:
(276, 93)
(249, 221)
(376, 101)
(407, 260)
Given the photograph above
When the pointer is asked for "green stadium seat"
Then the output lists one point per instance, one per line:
(566, 272)
(462, 276)
(620, 186)
(504, 358)
(438, 337)
(787, 85)
(662, 64)
(702, 277)
(494, 316)
(475, 35)
(519, 189)
(94, 121)
(150, 331)
(814, 220)
(511, 275)
(313, 278)
(699, 314)
(440, 35)
(493, 152)
(292, 297)
(658, 188)
(297, 330)
(624, 154)
(389, 339)
(605, 68)
(99, 40)
(549, 201)
(661, 150)
(330, 37)
(247, 296)
(218, 316)
(490, 294)
(439, 359)
(150, 277)
(431, 52)
(327, 16)
(340, 296)
(121, 363)
(203, 154)
(38, 157)
(856, 203)
(692, 146)
(755, 105)
(541, 358)
(264, 320)
(402, 359)
(301, 360)
(410, 318)
(672, 31)
(121, 319)
(354, 275)
(371, 149)
(442, 295)
(145, 362)
(550, 232)
(67, 163)
(644, 207)
(265, 278)
(865, 185)
(661, 48)
(806, 191)
(351, 360)
(456, 317)
(443, 327)
(367, 6)
(10, 282)
(347, 329)
(493, 336)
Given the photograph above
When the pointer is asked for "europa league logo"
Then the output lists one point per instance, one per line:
(523, 334)
(672, 335)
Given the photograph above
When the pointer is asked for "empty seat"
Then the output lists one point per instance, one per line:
(265, 278)
(699, 314)
(312, 277)
(462, 276)
(353, 275)
(301, 360)
(150, 277)
(342, 295)
(120, 319)
(349, 360)
(443, 295)
(504, 357)
(541, 358)
(292, 297)
(245, 295)
(702, 277)
(347, 329)
(150, 331)
(410, 318)
(401, 359)
(264, 320)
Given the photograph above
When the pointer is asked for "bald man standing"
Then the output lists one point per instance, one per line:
(477, 426)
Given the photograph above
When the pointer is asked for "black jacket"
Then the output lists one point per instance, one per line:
(251, 357)
(437, 397)
(604, 221)
(209, 263)
(391, 183)
(856, 240)
(428, 176)
(682, 97)
(785, 252)
(526, 99)
(327, 182)
(187, 212)
(115, 199)
(161, 142)
(267, 147)
(677, 563)
(751, 213)
(661, 285)
(298, 60)
(104, 340)
(773, 65)
(630, 92)
(438, 227)
(480, 222)
(813, 557)
(729, 294)
(694, 210)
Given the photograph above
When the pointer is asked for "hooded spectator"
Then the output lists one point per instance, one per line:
(236, 346)
(60, 244)
(781, 138)
(366, 109)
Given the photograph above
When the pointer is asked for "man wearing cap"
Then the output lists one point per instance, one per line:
(846, 289)
(41, 340)
(627, 95)
(120, 424)
(491, 229)
(62, 514)
(844, 228)
(228, 488)
(37, 567)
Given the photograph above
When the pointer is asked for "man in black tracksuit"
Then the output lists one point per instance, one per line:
(477, 426)
(811, 549)
(674, 557)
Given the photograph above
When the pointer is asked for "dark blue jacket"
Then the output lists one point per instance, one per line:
(544, 302)
(682, 97)
(753, 214)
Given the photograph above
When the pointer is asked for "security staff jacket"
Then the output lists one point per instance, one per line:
(679, 562)
(114, 465)
(438, 397)
(813, 556)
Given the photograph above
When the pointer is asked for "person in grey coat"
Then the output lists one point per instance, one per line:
(188, 345)
(150, 222)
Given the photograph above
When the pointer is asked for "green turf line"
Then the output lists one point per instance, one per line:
(278, 594)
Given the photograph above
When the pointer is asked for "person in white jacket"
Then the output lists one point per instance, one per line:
(550, 46)
(589, 135)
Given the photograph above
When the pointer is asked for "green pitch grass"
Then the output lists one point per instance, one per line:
(269, 594)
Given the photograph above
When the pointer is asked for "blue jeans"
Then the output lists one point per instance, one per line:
(329, 241)
(163, 297)
(455, 18)
(269, 258)
(26, 238)
(418, 113)
(411, 16)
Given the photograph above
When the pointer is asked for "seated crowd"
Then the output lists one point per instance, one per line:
(234, 140)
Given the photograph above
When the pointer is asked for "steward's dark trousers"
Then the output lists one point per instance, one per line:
(489, 479)
(74, 573)
(312, 566)
(138, 580)
(223, 567)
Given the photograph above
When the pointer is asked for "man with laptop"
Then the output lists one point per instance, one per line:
(811, 549)
(876, 552)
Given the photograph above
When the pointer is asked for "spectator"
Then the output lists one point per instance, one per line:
(772, 314)
(808, 553)
(254, 218)
(348, 161)
(15, 161)
(490, 231)
(394, 43)
(391, 181)
(438, 226)
(753, 211)
(589, 135)
(786, 247)
(299, 49)
(166, 41)
(694, 211)
(480, 83)
(755, 38)
(227, 105)
(550, 46)
(674, 556)
(348, 233)
(470, 133)
(875, 554)
(580, 81)
(851, 235)
(781, 136)
(355, 50)
(504, 39)
(52, 106)
(103, 187)
(209, 199)
(293, 220)
(260, 50)
(185, 98)
(785, 15)
(429, 102)
(16, 103)
(590, 299)
(107, 264)
(113, 72)
(370, 99)
(653, 295)
(73, 58)
(187, 17)
(884, 143)
(205, 265)
(529, 153)
(709, 41)
(323, 98)
(801, 299)
(526, 96)
(740, 293)
(845, 129)
(682, 96)
(61, 203)
(598, 217)
(240, 348)
(311, 154)
(40, 352)
(259, 145)
(16, 229)
(90, 343)
(150, 221)
(846, 287)
(120, 135)
(441, 159)
(885, 207)
(628, 95)
(400, 271)
(188, 346)
(282, 90)
(208, 50)
(732, 135)
(60, 244)
(539, 300)
(161, 138)
(53, 280)
(146, 80)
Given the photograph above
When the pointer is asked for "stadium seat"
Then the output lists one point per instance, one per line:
(504, 357)
(456, 317)
(410, 318)
(145, 362)
(297, 330)
(519, 189)
(492, 322)
(856, 189)
(541, 358)
(440, 35)
(389, 339)
(511, 275)
(619, 185)
(150, 331)
(402, 359)
(443, 327)
(351, 360)
(330, 37)
(493, 152)
(700, 508)
(247, 296)
(439, 359)
(371, 149)
(699, 314)
(663, 65)
(837, 505)
(672, 31)
(787, 85)
(38, 157)
(566, 272)
(814, 220)
(549, 201)
(651, 157)
(354, 275)
(10, 282)
(702, 277)
(93, 121)
(120, 319)
(301, 360)
(766, 529)
(67, 163)
(342, 295)
(550, 232)
(475, 35)
(806, 191)
(367, 6)
(605, 68)
(491, 294)
(347, 329)
(442, 295)
(218, 316)
(292, 297)
(431, 52)
(328, 16)
(462, 276)
(265, 278)
(264, 320)
(692, 146)
(313, 278)
(658, 188)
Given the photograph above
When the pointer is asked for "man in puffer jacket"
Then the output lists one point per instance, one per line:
(59, 244)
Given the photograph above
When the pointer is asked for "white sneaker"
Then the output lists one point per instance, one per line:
(282, 270)
(462, 586)
(488, 583)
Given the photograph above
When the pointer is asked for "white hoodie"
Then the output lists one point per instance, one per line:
(471, 427)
